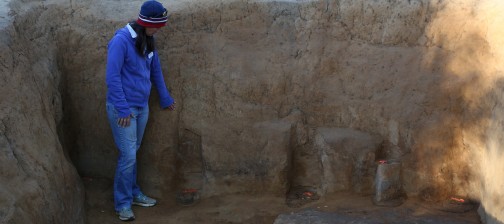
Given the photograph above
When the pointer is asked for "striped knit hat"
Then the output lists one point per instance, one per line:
(152, 14)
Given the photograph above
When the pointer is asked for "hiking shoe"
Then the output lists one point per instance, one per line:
(126, 214)
(143, 200)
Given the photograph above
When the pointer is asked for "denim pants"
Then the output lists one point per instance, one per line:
(128, 140)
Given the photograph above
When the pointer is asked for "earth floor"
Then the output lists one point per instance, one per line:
(342, 207)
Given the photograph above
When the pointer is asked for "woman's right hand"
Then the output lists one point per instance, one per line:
(124, 121)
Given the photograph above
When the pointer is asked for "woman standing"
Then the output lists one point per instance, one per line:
(132, 67)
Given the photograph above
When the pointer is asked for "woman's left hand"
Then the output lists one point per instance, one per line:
(171, 107)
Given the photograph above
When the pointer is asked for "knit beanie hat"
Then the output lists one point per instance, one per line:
(152, 14)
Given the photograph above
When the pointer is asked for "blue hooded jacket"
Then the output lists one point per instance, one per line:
(129, 75)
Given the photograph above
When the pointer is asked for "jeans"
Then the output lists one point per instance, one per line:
(128, 140)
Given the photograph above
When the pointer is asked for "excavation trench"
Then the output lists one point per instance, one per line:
(283, 106)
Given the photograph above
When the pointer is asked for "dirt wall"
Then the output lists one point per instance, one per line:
(38, 183)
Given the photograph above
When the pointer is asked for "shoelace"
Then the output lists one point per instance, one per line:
(126, 209)
(142, 197)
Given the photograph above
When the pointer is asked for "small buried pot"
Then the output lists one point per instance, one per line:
(187, 197)
(388, 185)
(457, 205)
(301, 195)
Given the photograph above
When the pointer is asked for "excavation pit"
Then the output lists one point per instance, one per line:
(271, 95)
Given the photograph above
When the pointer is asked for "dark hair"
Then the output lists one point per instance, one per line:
(143, 42)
